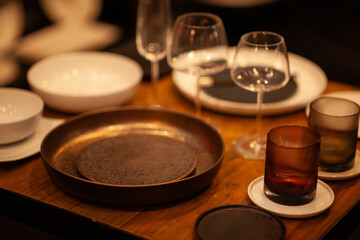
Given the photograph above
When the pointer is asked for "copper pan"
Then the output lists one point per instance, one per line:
(61, 146)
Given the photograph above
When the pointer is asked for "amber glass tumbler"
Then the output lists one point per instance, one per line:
(337, 120)
(291, 164)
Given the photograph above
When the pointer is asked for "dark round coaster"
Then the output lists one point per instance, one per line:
(239, 222)
(136, 159)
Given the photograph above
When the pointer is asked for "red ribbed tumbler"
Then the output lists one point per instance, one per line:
(291, 164)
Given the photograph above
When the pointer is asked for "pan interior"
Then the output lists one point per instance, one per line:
(136, 159)
(200, 158)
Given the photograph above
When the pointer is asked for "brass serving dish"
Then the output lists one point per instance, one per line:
(61, 146)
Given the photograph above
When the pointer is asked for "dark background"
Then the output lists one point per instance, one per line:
(325, 31)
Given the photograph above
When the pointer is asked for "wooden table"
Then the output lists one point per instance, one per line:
(176, 220)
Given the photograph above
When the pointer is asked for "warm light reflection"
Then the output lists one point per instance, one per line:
(206, 81)
(75, 72)
(151, 128)
(94, 76)
(66, 76)
(255, 71)
(191, 54)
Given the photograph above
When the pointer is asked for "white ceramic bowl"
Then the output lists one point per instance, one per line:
(20, 113)
(80, 81)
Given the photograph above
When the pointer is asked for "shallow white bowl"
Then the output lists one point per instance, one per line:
(20, 112)
(80, 81)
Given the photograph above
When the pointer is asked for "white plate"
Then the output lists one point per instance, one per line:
(29, 146)
(348, 174)
(323, 200)
(310, 81)
(349, 95)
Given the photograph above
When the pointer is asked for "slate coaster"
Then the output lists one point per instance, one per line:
(224, 88)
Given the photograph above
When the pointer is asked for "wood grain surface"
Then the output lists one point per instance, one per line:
(176, 220)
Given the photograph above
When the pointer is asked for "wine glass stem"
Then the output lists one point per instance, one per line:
(260, 95)
(197, 97)
(155, 79)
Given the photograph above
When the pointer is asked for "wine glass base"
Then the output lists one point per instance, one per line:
(250, 147)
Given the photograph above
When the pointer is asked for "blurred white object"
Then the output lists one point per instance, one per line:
(75, 28)
(237, 3)
(12, 23)
(72, 10)
(9, 70)
(81, 81)
(20, 112)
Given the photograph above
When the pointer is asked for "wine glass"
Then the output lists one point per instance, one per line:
(260, 65)
(198, 46)
(153, 27)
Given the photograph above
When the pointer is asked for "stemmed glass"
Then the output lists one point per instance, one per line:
(198, 46)
(260, 65)
(153, 27)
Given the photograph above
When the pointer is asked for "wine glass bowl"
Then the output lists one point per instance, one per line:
(261, 62)
(198, 46)
(260, 65)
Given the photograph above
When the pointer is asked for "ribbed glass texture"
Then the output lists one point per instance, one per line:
(291, 166)
(337, 121)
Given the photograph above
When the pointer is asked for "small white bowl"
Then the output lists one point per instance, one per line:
(81, 81)
(20, 113)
